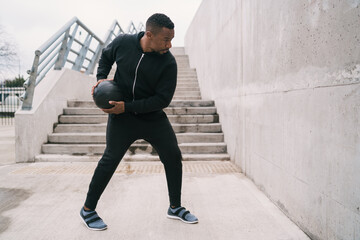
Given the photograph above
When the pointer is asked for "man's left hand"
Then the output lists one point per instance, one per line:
(117, 109)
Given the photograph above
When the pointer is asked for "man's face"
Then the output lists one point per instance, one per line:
(161, 41)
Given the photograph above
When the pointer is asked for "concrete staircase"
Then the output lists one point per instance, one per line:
(80, 132)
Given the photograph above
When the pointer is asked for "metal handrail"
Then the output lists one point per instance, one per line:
(141, 27)
(132, 29)
(55, 53)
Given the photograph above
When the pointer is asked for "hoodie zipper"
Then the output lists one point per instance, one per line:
(136, 71)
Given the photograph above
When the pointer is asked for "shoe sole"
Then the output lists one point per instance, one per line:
(179, 218)
(94, 229)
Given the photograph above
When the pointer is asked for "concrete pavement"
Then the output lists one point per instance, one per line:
(7, 144)
(43, 200)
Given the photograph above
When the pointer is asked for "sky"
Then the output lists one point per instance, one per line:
(29, 23)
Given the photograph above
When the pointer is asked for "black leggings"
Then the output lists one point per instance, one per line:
(122, 130)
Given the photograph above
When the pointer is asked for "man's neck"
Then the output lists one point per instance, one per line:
(144, 44)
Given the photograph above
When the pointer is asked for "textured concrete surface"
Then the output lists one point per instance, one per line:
(7, 144)
(43, 200)
(285, 77)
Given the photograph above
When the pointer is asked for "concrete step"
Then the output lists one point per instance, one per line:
(183, 65)
(181, 56)
(188, 88)
(186, 98)
(184, 71)
(100, 138)
(83, 128)
(195, 103)
(191, 111)
(169, 111)
(187, 70)
(174, 103)
(187, 84)
(93, 149)
(181, 59)
(184, 74)
(128, 157)
(192, 77)
(184, 68)
(173, 118)
(101, 128)
(187, 94)
(194, 86)
(177, 51)
(181, 88)
(185, 81)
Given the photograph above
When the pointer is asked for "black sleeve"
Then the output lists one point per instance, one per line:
(164, 93)
(107, 59)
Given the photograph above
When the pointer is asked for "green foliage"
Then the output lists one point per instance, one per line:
(17, 82)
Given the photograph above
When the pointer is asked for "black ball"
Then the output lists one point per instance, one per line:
(107, 91)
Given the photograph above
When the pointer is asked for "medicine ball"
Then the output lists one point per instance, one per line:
(107, 91)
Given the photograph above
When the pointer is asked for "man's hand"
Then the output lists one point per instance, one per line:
(98, 82)
(117, 109)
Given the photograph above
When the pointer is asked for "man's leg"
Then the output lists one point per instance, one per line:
(162, 137)
(119, 137)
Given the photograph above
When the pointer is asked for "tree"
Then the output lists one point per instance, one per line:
(8, 54)
(17, 82)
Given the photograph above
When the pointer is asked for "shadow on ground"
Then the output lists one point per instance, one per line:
(10, 198)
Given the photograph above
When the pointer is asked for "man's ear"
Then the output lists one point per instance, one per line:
(149, 34)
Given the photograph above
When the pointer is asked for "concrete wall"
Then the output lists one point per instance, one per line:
(50, 98)
(7, 144)
(285, 77)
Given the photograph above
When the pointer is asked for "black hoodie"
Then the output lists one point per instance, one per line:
(147, 80)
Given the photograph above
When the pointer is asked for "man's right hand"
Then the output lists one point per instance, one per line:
(98, 82)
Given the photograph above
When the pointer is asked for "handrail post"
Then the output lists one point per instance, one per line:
(82, 54)
(70, 42)
(60, 62)
(30, 85)
(94, 59)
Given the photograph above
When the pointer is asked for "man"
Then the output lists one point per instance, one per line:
(146, 74)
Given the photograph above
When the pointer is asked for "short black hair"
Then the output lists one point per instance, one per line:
(157, 21)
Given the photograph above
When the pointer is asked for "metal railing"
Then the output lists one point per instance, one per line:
(68, 46)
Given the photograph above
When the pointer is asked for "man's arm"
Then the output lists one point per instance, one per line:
(164, 93)
(107, 59)
(162, 98)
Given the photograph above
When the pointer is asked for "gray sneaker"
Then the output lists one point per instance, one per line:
(182, 214)
(92, 220)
